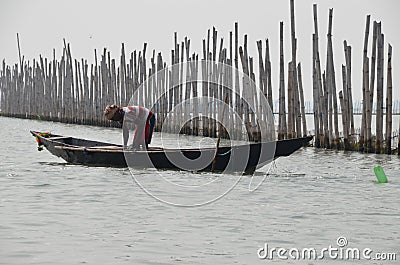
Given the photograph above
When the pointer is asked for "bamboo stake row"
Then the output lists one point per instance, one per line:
(326, 112)
(70, 90)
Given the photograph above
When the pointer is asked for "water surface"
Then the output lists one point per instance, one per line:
(56, 213)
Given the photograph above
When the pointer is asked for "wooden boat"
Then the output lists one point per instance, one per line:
(240, 158)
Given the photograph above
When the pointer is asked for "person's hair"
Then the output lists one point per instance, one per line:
(110, 111)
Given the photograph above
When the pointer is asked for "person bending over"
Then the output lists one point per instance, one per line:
(143, 119)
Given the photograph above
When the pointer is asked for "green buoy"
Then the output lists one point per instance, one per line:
(380, 174)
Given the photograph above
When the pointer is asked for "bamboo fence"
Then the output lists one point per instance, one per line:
(69, 90)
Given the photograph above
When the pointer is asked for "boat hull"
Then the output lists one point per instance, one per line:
(241, 158)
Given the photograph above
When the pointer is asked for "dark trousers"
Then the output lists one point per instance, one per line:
(149, 134)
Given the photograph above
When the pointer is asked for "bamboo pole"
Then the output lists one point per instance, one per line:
(370, 146)
(398, 141)
(181, 82)
(87, 102)
(349, 94)
(389, 103)
(290, 121)
(345, 111)
(363, 135)
(334, 129)
(303, 114)
(282, 108)
(325, 112)
(367, 108)
(159, 97)
(268, 76)
(70, 88)
(315, 97)
(245, 87)
(262, 74)
(195, 64)
(204, 71)
(329, 81)
(344, 122)
(247, 69)
(296, 103)
(238, 105)
(294, 89)
(213, 85)
(318, 80)
(172, 90)
(188, 121)
(335, 105)
(379, 93)
(144, 76)
(97, 90)
(230, 86)
(76, 118)
(123, 79)
(19, 51)
(221, 76)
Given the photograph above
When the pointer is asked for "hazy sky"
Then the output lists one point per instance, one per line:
(87, 25)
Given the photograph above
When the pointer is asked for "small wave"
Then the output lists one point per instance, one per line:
(39, 185)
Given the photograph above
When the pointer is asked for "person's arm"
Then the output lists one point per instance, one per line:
(125, 134)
